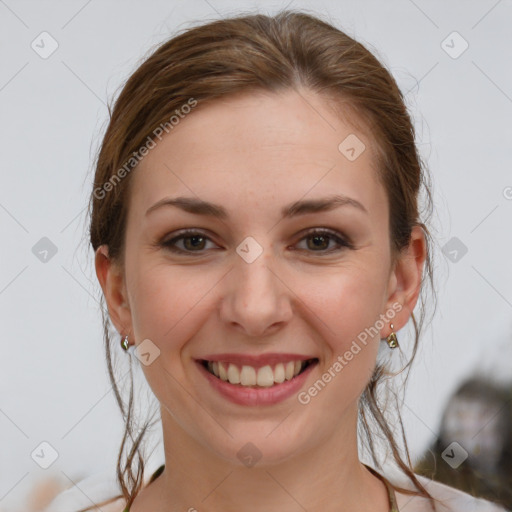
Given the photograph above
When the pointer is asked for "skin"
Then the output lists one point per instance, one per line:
(254, 154)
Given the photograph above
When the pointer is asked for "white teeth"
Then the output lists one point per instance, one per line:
(279, 375)
(265, 377)
(223, 374)
(249, 376)
(233, 374)
(289, 369)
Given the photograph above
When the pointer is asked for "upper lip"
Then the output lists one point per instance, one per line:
(256, 361)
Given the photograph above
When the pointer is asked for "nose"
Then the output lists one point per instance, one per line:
(257, 299)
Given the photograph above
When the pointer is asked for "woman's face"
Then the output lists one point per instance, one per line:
(253, 285)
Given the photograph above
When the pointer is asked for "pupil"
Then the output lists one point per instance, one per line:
(196, 239)
(318, 238)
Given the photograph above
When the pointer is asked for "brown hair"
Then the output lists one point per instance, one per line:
(291, 50)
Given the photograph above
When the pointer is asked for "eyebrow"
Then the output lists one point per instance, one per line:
(302, 207)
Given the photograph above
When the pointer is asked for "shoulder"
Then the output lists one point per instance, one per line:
(448, 499)
(116, 506)
(89, 492)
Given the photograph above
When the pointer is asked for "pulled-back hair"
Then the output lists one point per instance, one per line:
(254, 53)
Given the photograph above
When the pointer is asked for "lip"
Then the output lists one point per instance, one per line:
(256, 396)
(256, 361)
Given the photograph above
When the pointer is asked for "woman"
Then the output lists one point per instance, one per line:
(257, 234)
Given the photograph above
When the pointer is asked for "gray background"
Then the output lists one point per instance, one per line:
(54, 385)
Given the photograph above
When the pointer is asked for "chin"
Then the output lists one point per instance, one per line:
(260, 446)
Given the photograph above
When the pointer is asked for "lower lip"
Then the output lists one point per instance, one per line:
(257, 396)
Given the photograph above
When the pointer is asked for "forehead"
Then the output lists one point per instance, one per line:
(262, 145)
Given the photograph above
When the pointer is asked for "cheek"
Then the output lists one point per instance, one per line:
(163, 300)
(350, 302)
(349, 328)
(166, 307)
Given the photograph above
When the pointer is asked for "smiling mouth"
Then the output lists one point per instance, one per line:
(263, 377)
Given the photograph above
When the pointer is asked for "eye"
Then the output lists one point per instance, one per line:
(321, 238)
(193, 241)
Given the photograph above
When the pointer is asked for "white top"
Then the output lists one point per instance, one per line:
(101, 486)
(450, 499)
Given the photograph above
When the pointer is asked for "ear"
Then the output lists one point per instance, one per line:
(405, 281)
(111, 278)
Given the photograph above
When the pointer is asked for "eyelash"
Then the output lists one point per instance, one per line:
(190, 233)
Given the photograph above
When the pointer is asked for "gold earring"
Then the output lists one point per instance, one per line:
(392, 339)
(124, 342)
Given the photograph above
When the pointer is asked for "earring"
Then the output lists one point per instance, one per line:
(124, 343)
(392, 339)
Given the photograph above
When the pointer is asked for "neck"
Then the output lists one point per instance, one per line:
(327, 477)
